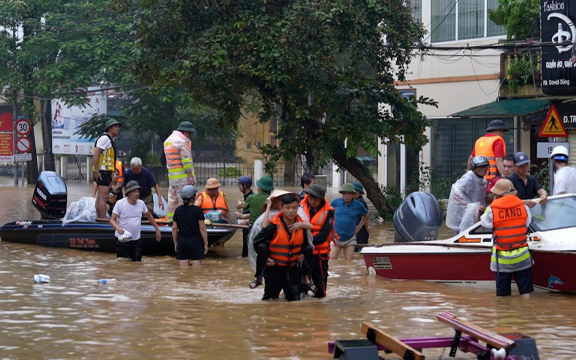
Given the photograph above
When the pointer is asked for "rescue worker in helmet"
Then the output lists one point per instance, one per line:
(178, 152)
(245, 187)
(469, 190)
(493, 147)
(564, 175)
(189, 230)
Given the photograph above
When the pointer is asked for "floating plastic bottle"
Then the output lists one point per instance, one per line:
(41, 278)
(107, 281)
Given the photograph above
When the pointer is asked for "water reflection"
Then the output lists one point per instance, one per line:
(158, 310)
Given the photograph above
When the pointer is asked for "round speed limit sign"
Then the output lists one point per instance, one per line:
(23, 127)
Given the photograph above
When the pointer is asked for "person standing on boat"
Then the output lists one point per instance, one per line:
(285, 237)
(126, 219)
(564, 175)
(350, 216)
(189, 230)
(468, 190)
(178, 152)
(321, 216)
(525, 184)
(364, 233)
(493, 147)
(509, 218)
(146, 180)
(212, 199)
(104, 160)
(243, 215)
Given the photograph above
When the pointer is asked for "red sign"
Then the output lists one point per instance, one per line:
(553, 126)
(6, 122)
(23, 145)
(23, 127)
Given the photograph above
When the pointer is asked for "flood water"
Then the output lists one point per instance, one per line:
(159, 311)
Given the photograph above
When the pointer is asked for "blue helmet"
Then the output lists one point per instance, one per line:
(245, 180)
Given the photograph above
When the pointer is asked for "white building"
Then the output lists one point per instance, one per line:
(458, 79)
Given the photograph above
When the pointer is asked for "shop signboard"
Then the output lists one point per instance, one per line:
(558, 33)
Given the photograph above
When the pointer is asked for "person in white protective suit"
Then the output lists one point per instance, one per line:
(178, 151)
(469, 189)
(564, 176)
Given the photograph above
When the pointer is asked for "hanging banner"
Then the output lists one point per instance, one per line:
(558, 67)
(66, 121)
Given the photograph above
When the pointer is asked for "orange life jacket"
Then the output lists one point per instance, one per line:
(485, 147)
(509, 223)
(120, 170)
(284, 249)
(209, 205)
(317, 223)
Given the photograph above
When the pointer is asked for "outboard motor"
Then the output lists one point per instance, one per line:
(50, 195)
(418, 218)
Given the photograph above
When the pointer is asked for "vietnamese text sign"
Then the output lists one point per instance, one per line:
(6, 147)
(558, 69)
(544, 149)
(66, 121)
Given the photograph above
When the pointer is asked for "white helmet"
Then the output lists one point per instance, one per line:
(560, 153)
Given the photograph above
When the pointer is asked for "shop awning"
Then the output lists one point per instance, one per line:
(512, 107)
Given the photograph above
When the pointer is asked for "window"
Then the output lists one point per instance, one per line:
(462, 19)
(416, 6)
(452, 142)
(248, 145)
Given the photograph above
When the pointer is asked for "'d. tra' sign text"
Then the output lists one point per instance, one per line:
(558, 29)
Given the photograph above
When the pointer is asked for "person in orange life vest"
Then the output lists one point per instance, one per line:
(286, 240)
(509, 169)
(321, 215)
(492, 146)
(509, 218)
(178, 152)
(213, 199)
(258, 254)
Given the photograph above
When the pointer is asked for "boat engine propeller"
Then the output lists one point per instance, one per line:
(50, 195)
(418, 218)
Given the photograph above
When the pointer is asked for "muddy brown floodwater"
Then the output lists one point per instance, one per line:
(159, 311)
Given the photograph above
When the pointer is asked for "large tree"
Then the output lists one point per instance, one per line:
(326, 68)
(56, 49)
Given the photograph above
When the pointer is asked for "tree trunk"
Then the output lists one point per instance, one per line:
(311, 165)
(46, 121)
(360, 172)
(32, 165)
(289, 171)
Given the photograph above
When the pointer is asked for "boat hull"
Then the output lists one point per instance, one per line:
(96, 236)
(552, 270)
(448, 267)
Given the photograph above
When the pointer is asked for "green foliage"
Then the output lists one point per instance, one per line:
(521, 18)
(152, 160)
(541, 173)
(320, 67)
(229, 172)
(520, 69)
(393, 199)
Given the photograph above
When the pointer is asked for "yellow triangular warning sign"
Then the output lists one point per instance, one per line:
(553, 126)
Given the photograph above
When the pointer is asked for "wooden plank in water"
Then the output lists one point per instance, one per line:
(489, 337)
(391, 343)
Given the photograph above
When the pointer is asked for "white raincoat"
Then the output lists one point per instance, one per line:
(466, 190)
(565, 181)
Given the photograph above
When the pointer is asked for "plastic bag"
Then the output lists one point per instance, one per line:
(83, 210)
(471, 216)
